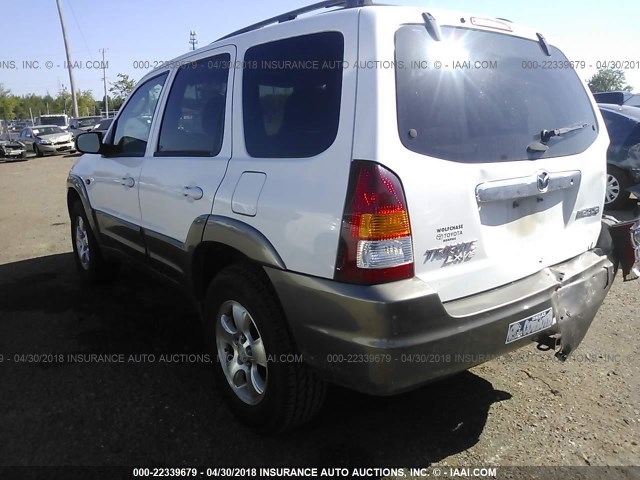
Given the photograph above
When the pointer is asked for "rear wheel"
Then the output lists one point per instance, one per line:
(256, 368)
(91, 264)
(617, 183)
(37, 150)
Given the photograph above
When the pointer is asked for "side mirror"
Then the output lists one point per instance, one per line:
(89, 142)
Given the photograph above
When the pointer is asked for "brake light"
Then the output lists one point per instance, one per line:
(375, 240)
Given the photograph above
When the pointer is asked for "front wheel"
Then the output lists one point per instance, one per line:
(617, 183)
(91, 264)
(258, 371)
(37, 150)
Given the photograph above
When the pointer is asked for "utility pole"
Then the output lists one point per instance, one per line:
(69, 64)
(192, 39)
(64, 95)
(104, 80)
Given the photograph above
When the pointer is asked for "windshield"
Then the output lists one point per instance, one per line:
(46, 131)
(480, 96)
(87, 122)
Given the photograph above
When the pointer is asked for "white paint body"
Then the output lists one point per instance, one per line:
(300, 202)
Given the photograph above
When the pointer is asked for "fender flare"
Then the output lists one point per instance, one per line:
(242, 237)
(74, 182)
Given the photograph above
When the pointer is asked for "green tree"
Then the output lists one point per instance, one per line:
(609, 80)
(8, 104)
(86, 103)
(121, 88)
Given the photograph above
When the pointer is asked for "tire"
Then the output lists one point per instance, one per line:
(271, 396)
(93, 267)
(616, 195)
(37, 150)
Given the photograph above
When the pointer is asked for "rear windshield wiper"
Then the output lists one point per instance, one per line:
(546, 135)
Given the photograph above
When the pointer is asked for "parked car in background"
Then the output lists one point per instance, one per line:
(103, 125)
(59, 120)
(83, 124)
(45, 139)
(11, 149)
(618, 98)
(623, 155)
(17, 126)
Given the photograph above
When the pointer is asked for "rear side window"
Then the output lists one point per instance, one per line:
(193, 122)
(480, 96)
(291, 95)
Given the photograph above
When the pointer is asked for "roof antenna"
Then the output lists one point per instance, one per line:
(432, 26)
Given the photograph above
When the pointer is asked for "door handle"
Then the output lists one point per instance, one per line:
(127, 182)
(195, 193)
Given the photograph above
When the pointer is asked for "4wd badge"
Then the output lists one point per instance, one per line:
(452, 254)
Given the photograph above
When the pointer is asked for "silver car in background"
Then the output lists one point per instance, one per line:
(45, 139)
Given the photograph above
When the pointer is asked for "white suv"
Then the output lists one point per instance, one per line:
(375, 196)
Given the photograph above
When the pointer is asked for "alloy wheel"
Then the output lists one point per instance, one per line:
(241, 352)
(82, 243)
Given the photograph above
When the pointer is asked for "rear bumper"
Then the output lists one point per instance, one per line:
(390, 338)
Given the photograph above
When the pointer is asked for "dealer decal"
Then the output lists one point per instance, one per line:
(450, 233)
(528, 326)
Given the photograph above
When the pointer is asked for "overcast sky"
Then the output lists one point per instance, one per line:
(155, 30)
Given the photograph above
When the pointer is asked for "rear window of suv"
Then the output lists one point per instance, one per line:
(291, 95)
(480, 96)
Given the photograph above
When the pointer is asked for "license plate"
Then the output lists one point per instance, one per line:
(530, 325)
(62, 149)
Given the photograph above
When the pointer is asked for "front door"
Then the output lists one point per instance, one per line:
(113, 187)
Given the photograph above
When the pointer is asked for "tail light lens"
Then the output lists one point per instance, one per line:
(375, 240)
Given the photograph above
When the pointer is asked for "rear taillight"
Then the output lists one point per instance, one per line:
(375, 240)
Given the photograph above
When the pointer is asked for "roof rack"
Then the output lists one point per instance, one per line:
(292, 15)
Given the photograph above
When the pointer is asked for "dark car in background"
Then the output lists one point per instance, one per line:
(103, 125)
(83, 124)
(623, 156)
(619, 98)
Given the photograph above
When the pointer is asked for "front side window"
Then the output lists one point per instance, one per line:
(291, 95)
(478, 96)
(134, 123)
(193, 122)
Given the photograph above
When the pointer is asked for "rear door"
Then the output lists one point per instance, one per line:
(491, 199)
(191, 152)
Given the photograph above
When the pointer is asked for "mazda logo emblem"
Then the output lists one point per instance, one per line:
(543, 181)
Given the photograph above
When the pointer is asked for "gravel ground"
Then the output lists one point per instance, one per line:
(163, 409)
